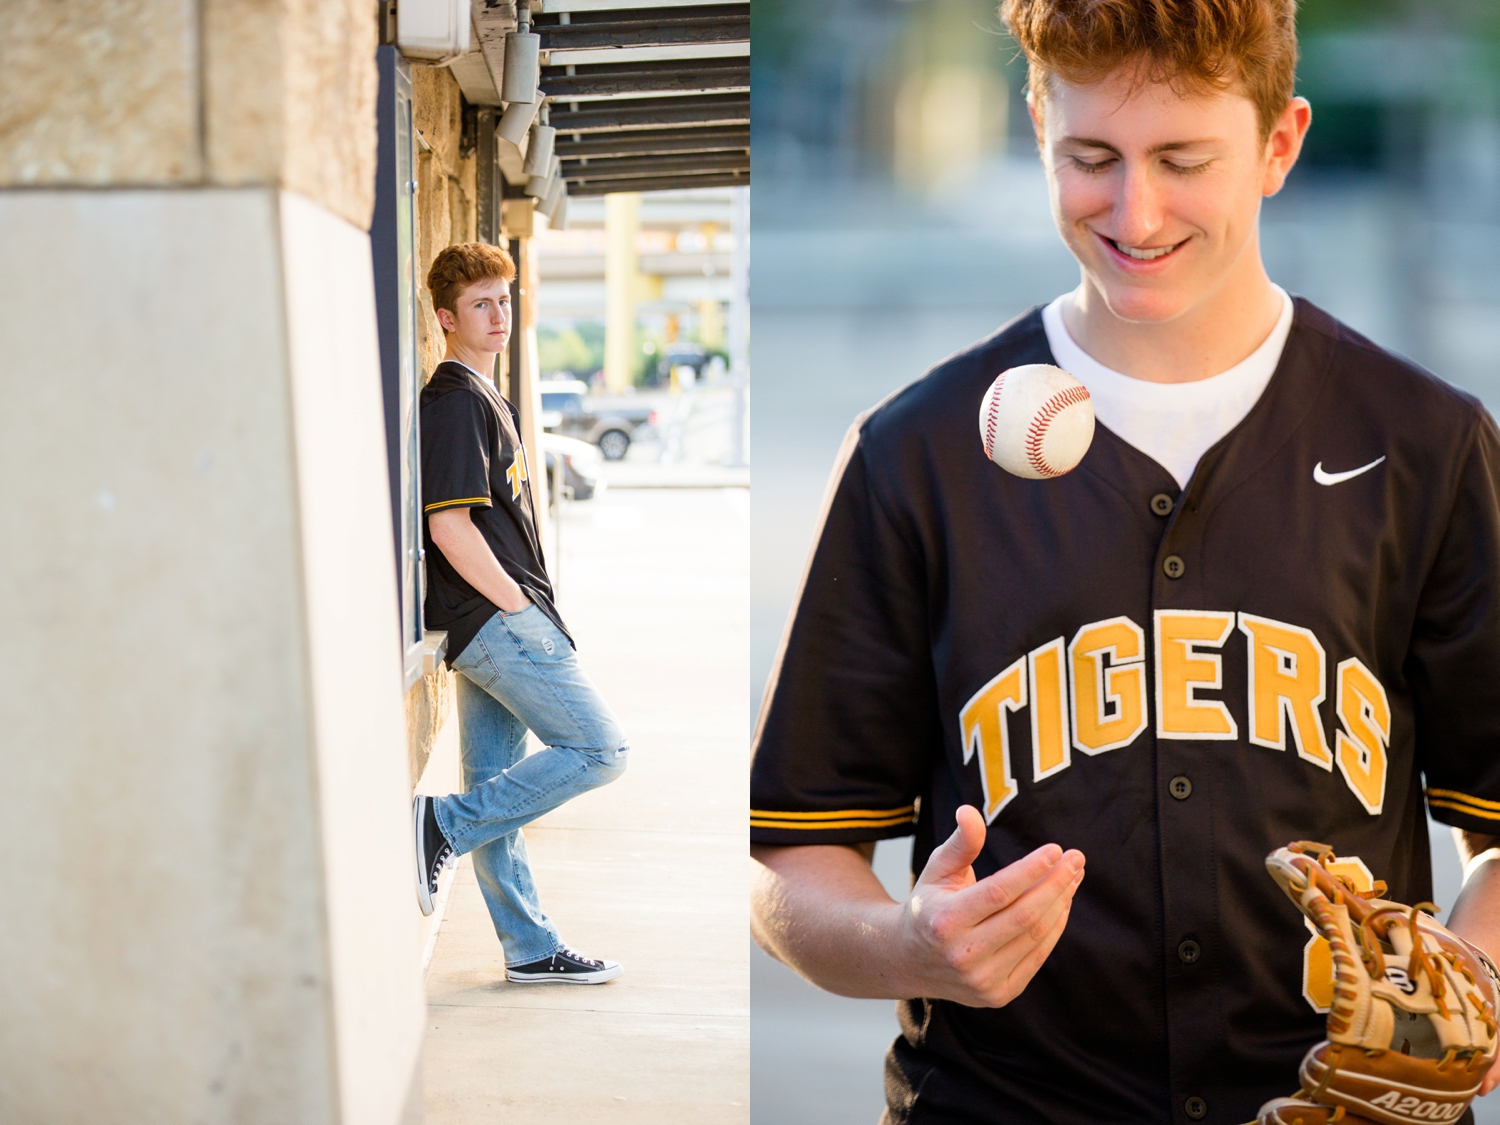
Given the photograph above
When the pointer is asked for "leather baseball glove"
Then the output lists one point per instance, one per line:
(1411, 1032)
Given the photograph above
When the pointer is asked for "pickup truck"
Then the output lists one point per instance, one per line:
(569, 410)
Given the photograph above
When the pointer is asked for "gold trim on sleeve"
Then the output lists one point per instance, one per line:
(1462, 802)
(838, 818)
(483, 500)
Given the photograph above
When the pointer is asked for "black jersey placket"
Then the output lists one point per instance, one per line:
(1185, 792)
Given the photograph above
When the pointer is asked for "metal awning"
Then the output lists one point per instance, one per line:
(644, 95)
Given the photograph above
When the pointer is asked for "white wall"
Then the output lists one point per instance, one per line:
(205, 899)
(353, 639)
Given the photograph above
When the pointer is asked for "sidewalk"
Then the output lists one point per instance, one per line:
(654, 474)
(649, 870)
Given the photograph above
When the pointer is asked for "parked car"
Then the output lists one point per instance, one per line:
(569, 410)
(680, 353)
(583, 466)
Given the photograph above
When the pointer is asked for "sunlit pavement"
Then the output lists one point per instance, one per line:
(649, 871)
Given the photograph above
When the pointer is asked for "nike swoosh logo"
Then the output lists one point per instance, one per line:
(1338, 478)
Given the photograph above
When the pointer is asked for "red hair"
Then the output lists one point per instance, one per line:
(1195, 45)
(459, 266)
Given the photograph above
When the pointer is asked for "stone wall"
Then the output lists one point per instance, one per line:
(154, 93)
(447, 195)
(447, 212)
(428, 706)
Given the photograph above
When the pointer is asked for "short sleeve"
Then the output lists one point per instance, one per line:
(455, 453)
(849, 728)
(1454, 661)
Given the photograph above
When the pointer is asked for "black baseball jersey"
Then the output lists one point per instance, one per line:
(473, 457)
(1303, 644)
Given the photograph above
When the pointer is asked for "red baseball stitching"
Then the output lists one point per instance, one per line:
(993, 417)
(1037, 431)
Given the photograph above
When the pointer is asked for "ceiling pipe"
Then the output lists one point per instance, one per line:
(522, 66)
(539, 185)
(515, 122)
(548, 204)
(539, 153)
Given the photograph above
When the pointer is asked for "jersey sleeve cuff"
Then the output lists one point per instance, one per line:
(831, 826)
(1459, 810)
(462, 502)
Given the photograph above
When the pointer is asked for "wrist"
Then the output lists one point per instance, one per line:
(866, 956)
(902, 952)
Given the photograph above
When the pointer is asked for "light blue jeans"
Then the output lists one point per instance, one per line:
(520, 672)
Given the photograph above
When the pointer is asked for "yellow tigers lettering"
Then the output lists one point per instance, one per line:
(1286, 676)
(1182, 668)
(1091, 693)
(1366, 715)
(1108, 699)
(1050, 749)
(517, 472)
(982, 722)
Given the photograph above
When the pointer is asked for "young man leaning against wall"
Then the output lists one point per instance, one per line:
(487, 586)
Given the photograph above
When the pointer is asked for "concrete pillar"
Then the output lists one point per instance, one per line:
(622, 220)
(211, 913)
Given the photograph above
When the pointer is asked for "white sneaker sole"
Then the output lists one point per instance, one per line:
(608, 973)
(424, 893)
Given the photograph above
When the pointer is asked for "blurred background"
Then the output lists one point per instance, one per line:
(663, 263)
(900, 214)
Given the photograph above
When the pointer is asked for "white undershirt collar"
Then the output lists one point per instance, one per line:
(1172, 423)
(467, 368)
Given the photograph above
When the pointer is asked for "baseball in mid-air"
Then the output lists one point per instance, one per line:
(1036, 421)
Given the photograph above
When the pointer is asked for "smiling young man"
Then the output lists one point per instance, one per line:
(1263, 608)
(487, 586)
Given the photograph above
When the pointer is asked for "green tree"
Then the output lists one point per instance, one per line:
(577, 349)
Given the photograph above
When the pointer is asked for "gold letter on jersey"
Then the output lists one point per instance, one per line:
(1108, 701)
(1286, 680)
(1050, 750)
(1181, 669)
(1366, 715)
(517, 472)
(982, 726)
(1317, 957)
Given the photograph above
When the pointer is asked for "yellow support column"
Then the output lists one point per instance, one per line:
(710, 316)
(622, 220)
(710, 324)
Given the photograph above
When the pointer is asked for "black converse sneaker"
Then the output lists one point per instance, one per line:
(566, 966)
(433, 851)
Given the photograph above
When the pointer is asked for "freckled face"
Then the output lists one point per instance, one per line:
(1156, 194)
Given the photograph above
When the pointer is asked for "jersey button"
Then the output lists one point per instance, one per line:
(1161, 504)
(1180, 787)
(1196, 1108)
(1189, 952)
(1173, 566)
